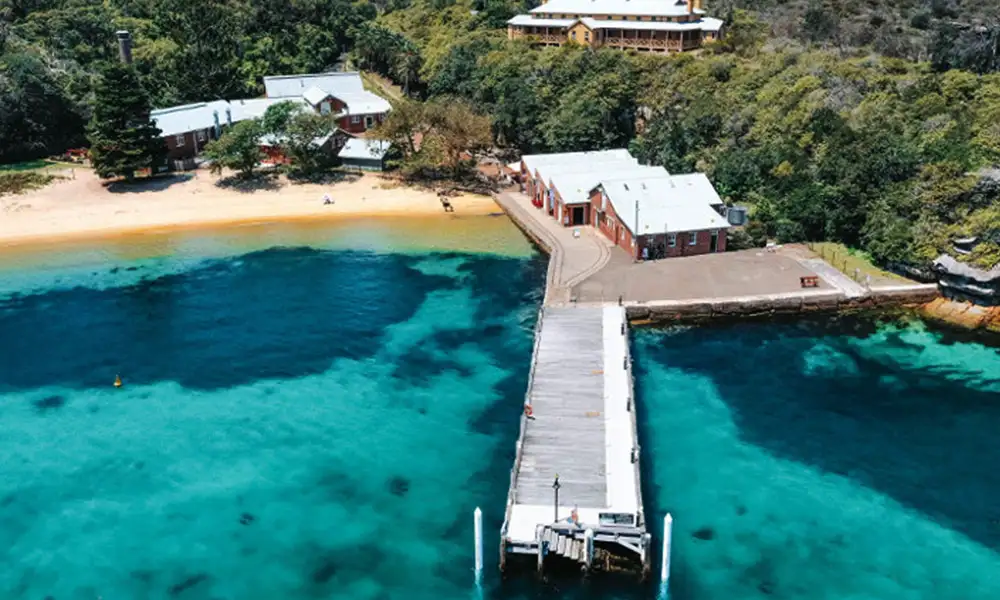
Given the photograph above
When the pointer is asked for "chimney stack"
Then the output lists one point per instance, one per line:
(690, 4)
(124, 46)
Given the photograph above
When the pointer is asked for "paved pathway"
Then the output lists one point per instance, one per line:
(834, 277)
(574, 257)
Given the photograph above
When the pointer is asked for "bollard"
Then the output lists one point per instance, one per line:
(668, 527)
(478, 516)
(588, 548)
(621, 299)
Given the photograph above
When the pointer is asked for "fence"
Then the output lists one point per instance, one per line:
(838, 259)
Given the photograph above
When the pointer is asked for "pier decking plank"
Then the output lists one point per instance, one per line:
(563, 438)
(581, 428)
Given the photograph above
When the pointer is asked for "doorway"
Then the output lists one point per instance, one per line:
(578, 216)
(714, 244)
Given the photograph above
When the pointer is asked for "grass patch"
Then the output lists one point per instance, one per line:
(30, 165)
(848, 259)
(18, 182)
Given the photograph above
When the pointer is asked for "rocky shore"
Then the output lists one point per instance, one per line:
(963, 314)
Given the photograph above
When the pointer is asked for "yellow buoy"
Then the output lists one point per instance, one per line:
(118, 381)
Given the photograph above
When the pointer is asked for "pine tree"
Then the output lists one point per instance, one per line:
(123, 139)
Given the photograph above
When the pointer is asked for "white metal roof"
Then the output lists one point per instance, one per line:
(189, 117)
(194, 117)
(254, 108)
(575, 187)
(658, 8)
(314, 95)
(282, 86)
(364, 103)
(346, 87)
(703, 24)
(538, 161)
(364, 148)
(665, 205)
(529, 21)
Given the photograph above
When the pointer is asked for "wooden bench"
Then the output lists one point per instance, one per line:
(809, 281)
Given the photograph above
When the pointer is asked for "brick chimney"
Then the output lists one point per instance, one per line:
(690, 4)
(124, 46)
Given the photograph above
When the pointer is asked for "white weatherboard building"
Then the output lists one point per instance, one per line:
(643, 25)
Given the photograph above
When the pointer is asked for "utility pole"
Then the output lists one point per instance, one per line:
(555, 488)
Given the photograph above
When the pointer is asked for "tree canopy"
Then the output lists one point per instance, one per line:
(123, 140)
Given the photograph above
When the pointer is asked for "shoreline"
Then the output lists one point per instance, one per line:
(84, 209)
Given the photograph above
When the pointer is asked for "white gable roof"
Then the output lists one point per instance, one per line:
(254, 108)
(703, 24)
(575, 187)
(672, 204)
(346, 87)
(284, 86)
(364, 148)
(539, 161)
(177, 120)
(195, 117)
(314, 95)
(364, 103)
(660, 8)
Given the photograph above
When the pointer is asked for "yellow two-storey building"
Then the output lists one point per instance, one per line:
(644, 25)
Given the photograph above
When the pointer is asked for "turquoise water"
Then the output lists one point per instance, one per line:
(320, 422)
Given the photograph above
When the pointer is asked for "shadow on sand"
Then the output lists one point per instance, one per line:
(258, 182)
(156, 183)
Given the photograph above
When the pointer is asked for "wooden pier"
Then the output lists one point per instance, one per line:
(575, 495)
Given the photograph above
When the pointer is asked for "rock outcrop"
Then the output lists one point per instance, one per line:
(964, 282)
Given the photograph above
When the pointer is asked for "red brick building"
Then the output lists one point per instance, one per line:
(187, 129)
(342, 94)
(646, 211)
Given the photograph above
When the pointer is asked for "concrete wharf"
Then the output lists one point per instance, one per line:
(579, 420)
(575, 493)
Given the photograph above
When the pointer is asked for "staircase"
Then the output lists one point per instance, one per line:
(565, 544)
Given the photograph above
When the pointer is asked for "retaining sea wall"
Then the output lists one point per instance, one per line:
(777, 304)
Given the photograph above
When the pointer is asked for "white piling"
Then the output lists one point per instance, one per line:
(588, 547)
(668, 527)
(479, 544)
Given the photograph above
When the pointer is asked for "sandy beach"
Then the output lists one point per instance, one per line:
(83, 206)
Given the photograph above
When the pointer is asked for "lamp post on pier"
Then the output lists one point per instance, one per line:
(555, 488)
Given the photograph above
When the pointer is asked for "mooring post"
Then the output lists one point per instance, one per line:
(668, 528)
(543, 546)
(588, 548)
(478, 526)
(621, 299)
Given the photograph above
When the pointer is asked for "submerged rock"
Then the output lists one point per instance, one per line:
(705, 533)
(247, 518)
(399, 486)
(185, 584)
(48, 403)
(325, 571)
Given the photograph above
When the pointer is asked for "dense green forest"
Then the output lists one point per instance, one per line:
(876, 124)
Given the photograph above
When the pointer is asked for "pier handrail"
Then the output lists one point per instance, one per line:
(641, 521)
(512, 492)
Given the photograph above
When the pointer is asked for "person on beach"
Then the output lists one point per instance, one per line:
(327, 199)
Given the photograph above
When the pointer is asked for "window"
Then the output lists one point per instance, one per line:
(179, 140)
(573, 35)
(355, 119)
(672, 240)
(201, 135)
(692, 238)
(610, 222)
(586, 36)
